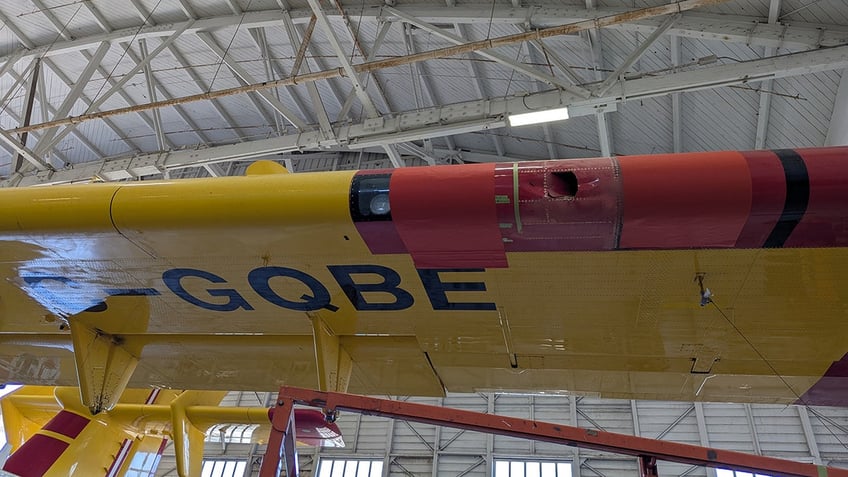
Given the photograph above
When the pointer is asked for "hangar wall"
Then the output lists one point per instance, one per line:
(808, 434)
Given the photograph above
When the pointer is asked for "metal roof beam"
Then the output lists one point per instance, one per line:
(46, 107)
(469, 116)
(151, 91)
(393, 62)
(351, 74)
(7, 67)
(116, 87)
(193, 126)
(676, 111)
(24, 152)
(635, 55)
(596, 59)
(496, 57)
(314, 95)
(106, 27)
(547, 132)
(394, 155)
(247, 78)
(378, 42)
(197, 80)
(73, 95)
(730, 28)
(497, 141)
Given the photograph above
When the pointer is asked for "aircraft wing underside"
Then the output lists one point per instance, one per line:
(715, 276)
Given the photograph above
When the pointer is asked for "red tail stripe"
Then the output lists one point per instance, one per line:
(36, 456)
(119, 459)
(67, 423)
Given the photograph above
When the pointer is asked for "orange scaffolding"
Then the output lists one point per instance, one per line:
(281, 453)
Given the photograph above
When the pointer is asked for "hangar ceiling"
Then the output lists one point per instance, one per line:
(129, 89)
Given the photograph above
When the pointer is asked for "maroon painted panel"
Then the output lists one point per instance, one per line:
(562, 205)
(831, 389)
(768, 194)
(694, 200)
(36, 456)
(381, 237)
(825, 223)
(446, 216)
(67, 423)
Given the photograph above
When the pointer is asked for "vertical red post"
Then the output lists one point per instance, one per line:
(281, 450)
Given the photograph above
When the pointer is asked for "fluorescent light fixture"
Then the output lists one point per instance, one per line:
(537, 117)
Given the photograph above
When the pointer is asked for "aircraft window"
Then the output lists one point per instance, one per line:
(223, 468)
(143, 464)
(349, 468)
(231, 433)
(736, 473)
(531, 468)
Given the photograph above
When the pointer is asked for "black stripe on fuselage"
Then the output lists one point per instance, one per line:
(797, 197)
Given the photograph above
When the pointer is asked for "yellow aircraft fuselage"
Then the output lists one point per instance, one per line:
(709, 276)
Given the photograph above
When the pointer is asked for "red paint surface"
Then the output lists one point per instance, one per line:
(825, 224)
(696, 200)
(552, 221)
(36, 456)
(67, 423)
(768, 194)
(120, 458)
(446, 216)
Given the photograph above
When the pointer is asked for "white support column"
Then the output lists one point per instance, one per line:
(634, 412)
(314, 95)
(752, 427)
(576, 465)
(676, 112)
(394, 155)
(151, 91)
(547, 132)
(616, 76)
(809, 435)
(274, 71)
(190, 123)
(490, 438)
(497, 141)
(378, 42)
(593, 38)
(764, 111)
(702, 432)
(324, 22)
(837, 132)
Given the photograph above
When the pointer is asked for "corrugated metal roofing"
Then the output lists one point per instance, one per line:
(65, 35)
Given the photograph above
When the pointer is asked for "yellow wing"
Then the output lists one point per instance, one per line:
(582, 276)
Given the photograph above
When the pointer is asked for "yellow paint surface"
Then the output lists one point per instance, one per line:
(618, 324)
